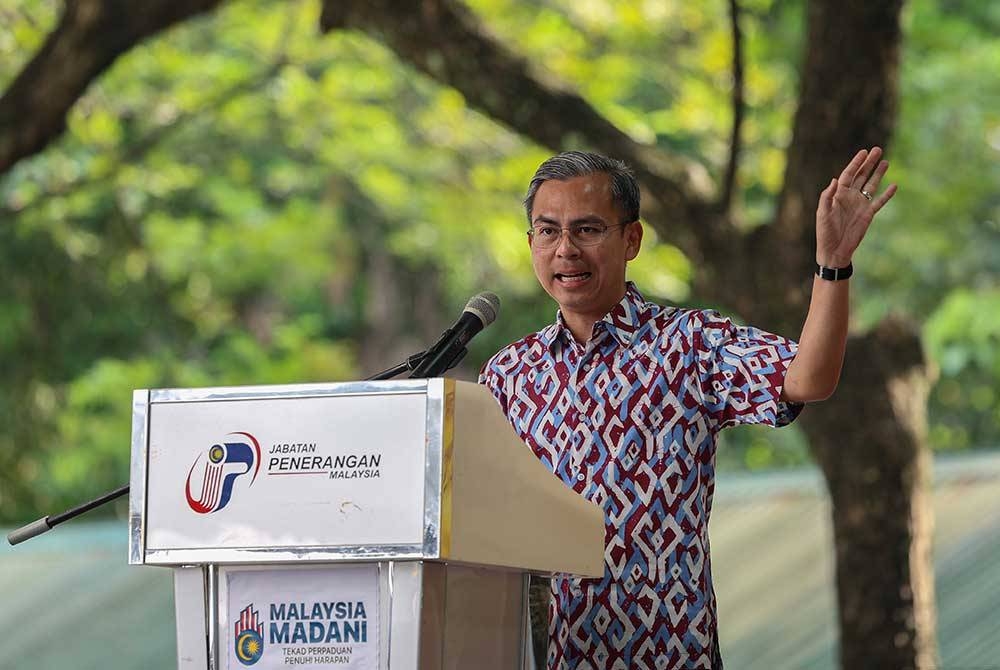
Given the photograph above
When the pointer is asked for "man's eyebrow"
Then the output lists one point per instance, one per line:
(590, 218)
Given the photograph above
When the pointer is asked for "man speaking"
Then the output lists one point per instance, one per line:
(622, 399)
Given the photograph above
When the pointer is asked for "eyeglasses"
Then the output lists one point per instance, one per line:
(548, 236)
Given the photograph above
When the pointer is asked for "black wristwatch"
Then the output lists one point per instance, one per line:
(834, 274)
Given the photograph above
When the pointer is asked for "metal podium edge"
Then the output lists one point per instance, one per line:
(222, 393)
(437, 514)
(137, 477)
(447, 469)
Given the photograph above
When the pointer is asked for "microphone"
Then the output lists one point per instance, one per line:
(479, 312)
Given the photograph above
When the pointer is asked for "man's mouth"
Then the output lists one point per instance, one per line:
(571, 277)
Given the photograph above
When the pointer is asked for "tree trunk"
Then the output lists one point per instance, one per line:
(871, 445)
(870, 438)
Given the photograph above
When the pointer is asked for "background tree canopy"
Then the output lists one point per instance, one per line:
(238, 200)
(247, 199)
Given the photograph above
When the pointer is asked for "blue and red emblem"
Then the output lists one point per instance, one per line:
(249, 638)
(226, 462)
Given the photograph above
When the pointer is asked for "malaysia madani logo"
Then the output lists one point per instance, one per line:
(226, 462)
(249, 638)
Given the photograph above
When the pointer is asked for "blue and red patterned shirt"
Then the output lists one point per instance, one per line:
(629, 420)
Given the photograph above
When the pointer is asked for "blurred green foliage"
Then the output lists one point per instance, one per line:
(225, 200)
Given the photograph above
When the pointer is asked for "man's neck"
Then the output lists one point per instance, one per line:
(581, 327)
(581, 324)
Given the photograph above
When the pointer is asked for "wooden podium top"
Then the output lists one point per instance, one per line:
(358, 471)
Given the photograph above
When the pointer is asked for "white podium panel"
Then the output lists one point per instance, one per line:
(278, 473)
(286, 473)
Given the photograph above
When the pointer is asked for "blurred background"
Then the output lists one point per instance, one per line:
(243, 199)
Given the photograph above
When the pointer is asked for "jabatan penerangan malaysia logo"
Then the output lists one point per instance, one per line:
(226, 462)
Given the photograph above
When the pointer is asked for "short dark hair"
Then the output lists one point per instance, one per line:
(570, 164)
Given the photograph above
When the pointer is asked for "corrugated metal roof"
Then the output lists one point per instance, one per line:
(772, 556)
(69, 600)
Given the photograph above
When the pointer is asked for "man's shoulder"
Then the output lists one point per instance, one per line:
(636, 312)
(670, 322)
(673, 315)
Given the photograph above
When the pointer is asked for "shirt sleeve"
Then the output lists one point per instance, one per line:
(742, 371)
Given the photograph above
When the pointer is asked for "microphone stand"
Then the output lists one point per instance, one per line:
(414, 362)
(436, 363)
(410, 363)
(46, 523)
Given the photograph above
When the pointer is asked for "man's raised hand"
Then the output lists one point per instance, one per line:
(847, 207)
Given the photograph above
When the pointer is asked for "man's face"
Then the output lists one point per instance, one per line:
(586, 281)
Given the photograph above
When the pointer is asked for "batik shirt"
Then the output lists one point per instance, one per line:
(629, 421)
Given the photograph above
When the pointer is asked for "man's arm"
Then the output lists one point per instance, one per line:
(845, 211)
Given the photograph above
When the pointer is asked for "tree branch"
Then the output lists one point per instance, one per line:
(137, 149)
(729, 179)
(443, 39)
(90, 35)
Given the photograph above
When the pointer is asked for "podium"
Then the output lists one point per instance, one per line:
(379, 525)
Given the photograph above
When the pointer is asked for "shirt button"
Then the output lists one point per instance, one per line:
(580, 477)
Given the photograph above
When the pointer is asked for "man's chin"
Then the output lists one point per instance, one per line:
(578, 304)
(570, 297)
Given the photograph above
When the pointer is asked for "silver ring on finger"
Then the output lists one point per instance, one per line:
(868, 196)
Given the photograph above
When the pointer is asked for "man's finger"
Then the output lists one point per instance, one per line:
(872, 184)
(867, 169)
(847, 176)
(885, 197)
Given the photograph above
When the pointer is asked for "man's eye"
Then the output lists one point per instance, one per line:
(588, 230)
(546, 231)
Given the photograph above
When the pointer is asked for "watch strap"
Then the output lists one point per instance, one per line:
(834, 274)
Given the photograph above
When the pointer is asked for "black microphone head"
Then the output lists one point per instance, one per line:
(485, 306)
(479, 312)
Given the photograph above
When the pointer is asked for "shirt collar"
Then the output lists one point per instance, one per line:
(621, 322)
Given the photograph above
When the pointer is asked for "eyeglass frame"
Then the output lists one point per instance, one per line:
(567, 230)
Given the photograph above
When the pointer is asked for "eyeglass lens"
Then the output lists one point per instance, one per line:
(584, 234)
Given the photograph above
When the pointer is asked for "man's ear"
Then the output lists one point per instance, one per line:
(633, 239)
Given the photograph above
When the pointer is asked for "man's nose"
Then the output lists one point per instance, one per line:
(566, 246)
